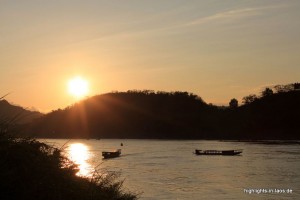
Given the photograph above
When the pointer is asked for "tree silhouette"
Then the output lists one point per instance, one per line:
(267, 92)
(249, 99)
(296, 86)
(233, 103)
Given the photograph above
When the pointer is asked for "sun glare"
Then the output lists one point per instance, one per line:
(79, 153)
(78, 87)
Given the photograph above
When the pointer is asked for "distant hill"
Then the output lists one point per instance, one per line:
(175, 115)
(133, 114)
(273, 116)
(18, 114)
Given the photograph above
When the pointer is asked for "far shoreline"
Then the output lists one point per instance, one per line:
(295, 141)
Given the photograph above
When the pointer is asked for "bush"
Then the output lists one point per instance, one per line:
(33, 170)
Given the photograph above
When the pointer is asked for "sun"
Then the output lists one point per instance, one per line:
(78, 87)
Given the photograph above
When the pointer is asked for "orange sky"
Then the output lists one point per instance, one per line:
(214, 49)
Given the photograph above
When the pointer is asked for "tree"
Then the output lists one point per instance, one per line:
(296, 86)
(267, 92)
(249, 99)
(233, 103)
(287, 88)
(283, 88)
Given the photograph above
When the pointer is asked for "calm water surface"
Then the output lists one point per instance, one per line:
(162, 169)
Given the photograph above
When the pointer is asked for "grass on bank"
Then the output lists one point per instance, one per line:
(33, 170)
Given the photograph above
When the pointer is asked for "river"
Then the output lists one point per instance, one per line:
(168, 169)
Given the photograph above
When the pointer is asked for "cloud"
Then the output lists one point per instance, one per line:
(231, 15)
(137, 28)
(228, 15)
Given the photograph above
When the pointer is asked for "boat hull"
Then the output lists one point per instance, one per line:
(218, 152)
(111, 154)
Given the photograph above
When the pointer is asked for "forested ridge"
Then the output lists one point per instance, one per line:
(9, 112)
(273, 114)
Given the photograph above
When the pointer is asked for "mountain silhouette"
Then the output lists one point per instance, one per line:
(172, 115)
(16, 114)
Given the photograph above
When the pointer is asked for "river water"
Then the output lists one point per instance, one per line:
(168, 169)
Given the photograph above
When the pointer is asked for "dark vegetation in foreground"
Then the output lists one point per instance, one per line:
(33, 170)
(273, 114)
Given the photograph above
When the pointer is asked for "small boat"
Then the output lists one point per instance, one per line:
(111, 154)
(218, 152)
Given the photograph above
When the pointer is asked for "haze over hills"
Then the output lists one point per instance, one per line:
(175, 115)
(16, 113)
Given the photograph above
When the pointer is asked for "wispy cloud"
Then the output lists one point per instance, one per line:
(231, 15)
(136, 29)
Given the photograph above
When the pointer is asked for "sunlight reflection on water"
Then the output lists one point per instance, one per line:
(79, 153)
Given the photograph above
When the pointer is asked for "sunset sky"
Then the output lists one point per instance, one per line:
(214, 48)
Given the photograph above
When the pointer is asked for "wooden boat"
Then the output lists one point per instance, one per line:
(218, 152)
(111, 154)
